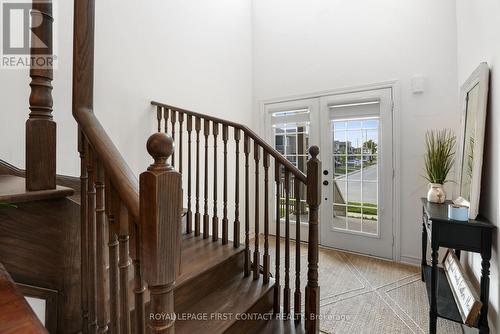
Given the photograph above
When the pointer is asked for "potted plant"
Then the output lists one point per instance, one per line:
(439, 158)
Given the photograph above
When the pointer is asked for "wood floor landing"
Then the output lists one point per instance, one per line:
(13, 190)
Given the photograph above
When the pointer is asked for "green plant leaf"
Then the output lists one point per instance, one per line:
(440, 155)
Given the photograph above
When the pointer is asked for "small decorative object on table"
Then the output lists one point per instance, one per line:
(459, 210)
(439, 158)
(466, 298)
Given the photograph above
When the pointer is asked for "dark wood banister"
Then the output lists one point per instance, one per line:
(117, 169)
(255, 137)
(123, 179)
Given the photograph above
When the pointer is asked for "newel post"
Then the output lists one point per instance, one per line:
(40, 126)
(313, 200)
(160, 217)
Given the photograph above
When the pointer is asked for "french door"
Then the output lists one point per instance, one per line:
(354, 132)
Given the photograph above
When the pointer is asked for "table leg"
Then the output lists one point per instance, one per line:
(485, 291)
(433, 308)
(424, 251)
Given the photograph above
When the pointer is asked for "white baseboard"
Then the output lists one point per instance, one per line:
(408, 259)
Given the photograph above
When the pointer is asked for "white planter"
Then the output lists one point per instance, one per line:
(436, 193)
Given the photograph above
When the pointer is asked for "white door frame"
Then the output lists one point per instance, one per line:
(396, 136)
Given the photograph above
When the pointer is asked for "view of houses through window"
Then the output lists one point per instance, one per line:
(355, 174)
(292, 140)
(355, 177)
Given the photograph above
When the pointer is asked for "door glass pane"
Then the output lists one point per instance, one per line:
(292, 140)
(340, 216)
(355, 177)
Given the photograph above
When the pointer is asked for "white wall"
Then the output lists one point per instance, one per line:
(189, 53)
(303, 47)
(477, 29)
(193, 54)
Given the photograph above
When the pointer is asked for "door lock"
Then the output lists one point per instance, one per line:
(325, 183)
(325, 172)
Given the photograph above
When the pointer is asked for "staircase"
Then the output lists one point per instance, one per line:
(186, 273)
(145, 258)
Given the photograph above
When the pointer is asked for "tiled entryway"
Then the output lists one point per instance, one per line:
(364, 295)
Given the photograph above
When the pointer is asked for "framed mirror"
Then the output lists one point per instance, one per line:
(469, 156)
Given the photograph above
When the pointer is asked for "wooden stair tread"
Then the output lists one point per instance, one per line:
(200, 255)
(235, 296)
(274, 326)
(13, 190)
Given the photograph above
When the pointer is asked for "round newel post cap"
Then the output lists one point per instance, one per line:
(314, 151)
(160, 146)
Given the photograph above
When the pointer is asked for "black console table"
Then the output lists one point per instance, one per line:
(472, 236)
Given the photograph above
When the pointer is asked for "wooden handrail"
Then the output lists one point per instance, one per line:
(123, 179)
(255, 137)
(116, 168)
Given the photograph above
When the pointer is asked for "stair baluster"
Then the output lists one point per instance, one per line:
(197, 215)
(160, 212)
(297, 293)
(173, 120)
(91, 201)
(277, 287)
(83, 149)
(286, 289)
(123, 264)
(189, 219)
(112, 203)
(236, 224)
(101, 272)
(159, 115)
(166, 113)
(181, 135)
(215, 219)
(256, 254)
(267, 258)
(246, 148)
(139, 286)
(224, 207)
(206, 228)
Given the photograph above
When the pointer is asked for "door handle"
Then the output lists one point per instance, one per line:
(325, 183)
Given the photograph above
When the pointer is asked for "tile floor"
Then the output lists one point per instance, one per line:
(364, 295)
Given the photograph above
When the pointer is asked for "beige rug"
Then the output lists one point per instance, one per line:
(364, 295)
